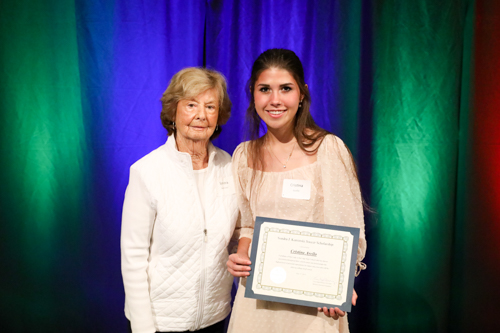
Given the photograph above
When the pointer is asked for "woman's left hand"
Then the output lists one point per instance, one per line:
(335, 313)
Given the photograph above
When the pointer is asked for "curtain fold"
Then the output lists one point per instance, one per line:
(411, 87)
(327, 41)
(79, 101)
(478, 199)
(41, 135)
(418, 51)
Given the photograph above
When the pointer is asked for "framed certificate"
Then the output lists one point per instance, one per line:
(303, 263)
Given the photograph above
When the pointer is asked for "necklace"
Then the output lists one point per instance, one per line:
(276, 157)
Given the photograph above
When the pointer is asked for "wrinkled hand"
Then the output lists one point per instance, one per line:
(238, 265)
(335, 313)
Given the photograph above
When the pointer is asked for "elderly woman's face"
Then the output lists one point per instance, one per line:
(196, 118)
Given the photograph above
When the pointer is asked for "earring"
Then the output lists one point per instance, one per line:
(216, 127)
(300, 104)
(173, 124)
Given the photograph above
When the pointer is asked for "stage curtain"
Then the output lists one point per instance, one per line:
(477, 228)
(418, 49)
(410, 86)
(80, 84)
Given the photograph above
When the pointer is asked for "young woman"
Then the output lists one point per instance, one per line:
(294, 147)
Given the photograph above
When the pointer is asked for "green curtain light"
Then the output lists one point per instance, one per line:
(418, 48)
(43, 144)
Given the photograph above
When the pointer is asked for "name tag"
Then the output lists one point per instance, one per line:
(296, 189)
(226, 186)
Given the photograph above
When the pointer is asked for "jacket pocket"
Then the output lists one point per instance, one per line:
(155, 290)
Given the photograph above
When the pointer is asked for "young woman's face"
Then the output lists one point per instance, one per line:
(196, 118)
(277, 97)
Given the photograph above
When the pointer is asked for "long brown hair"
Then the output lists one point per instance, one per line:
(305, 130)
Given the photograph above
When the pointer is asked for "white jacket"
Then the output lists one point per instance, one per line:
(174, 273)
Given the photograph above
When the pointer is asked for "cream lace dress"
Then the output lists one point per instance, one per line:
(335, 199)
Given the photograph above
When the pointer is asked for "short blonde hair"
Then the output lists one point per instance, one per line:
(189, 83)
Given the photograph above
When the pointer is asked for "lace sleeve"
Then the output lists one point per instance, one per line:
(343, 202)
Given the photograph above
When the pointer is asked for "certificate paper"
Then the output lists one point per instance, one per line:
(303, 263)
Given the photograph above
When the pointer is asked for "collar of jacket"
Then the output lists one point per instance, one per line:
(184, 159)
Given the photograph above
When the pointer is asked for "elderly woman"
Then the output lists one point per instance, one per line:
(179, 213)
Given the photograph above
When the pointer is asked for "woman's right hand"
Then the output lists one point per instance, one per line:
(239, 265)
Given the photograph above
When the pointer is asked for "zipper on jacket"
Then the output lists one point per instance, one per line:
(201, 300)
